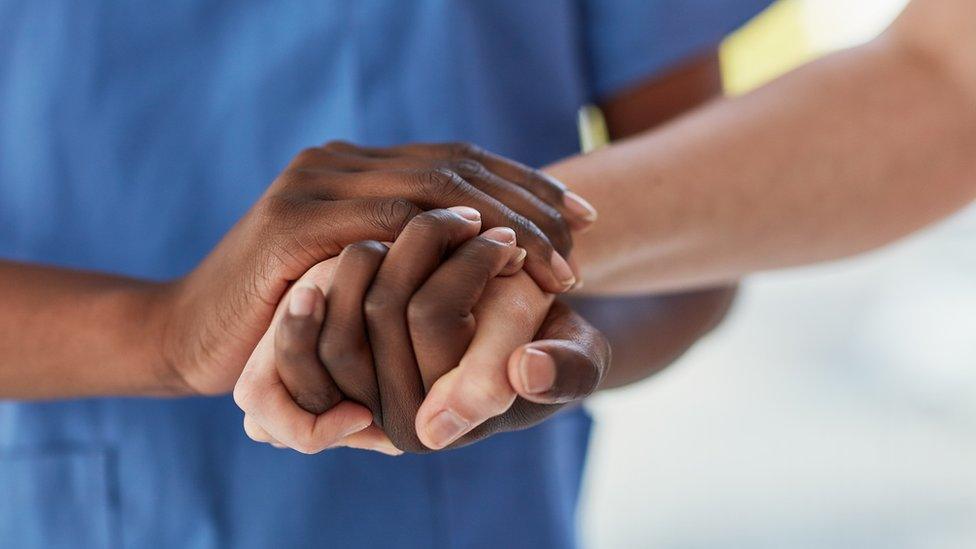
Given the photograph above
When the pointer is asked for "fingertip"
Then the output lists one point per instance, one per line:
(553, 274)
(515, 263)
(501, 235)
(535, 375)
(442, 429)
(579, 207)
(562, 271)
(541, 271)
(303, 300)
(536, 371)
(305, 308)
(469, 214)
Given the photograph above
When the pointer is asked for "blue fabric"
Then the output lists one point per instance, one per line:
(628, 39)
(133, 135)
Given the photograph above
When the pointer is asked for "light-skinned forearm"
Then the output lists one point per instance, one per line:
(836, 158)
(73, 334)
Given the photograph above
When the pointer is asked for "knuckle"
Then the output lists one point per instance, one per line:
(337, 145)
(420, 311)
(393, 214)
(463, 149)
(432, 222)
(300, 182)
(307, 157)
(364, 250)
(381, 304)
(275, 208)
(441, 185)
(426, 310)
(342, 353)
(467, 167)
(489, 397)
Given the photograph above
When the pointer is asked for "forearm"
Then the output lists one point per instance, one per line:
(836, 158)
(647, 334)
(73, 334)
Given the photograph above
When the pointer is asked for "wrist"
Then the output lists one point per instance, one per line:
(158, 302)
(595, 250)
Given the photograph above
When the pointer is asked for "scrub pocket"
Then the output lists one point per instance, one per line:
(55, 498)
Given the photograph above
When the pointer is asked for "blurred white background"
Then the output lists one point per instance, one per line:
(836, 408)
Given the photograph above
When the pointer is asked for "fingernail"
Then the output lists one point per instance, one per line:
(445, 428)
(579, 207)
(538, 371)
(354, 430)
(470, 214)
(564, 274)
(518, 258)
(302, 302)
(502, 235)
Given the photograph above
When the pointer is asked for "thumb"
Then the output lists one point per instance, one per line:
(567, 362)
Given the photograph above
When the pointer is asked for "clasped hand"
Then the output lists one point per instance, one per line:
(427, 342)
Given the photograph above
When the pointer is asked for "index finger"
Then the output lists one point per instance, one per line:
(577, 211)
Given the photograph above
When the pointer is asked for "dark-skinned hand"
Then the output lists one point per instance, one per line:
(326, 199)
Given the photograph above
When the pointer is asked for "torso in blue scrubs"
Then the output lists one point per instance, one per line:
(133, 135)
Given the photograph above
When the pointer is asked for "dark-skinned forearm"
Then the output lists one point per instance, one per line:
(649, 333)
(67, 333)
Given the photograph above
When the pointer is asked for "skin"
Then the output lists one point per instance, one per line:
(720, 193)
(69, 334)
(116, 348)
(478, 390)
(424, 293)
(841, 156)
(715, 195)
(649, 332)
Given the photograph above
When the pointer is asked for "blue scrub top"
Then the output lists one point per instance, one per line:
(134, 134)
